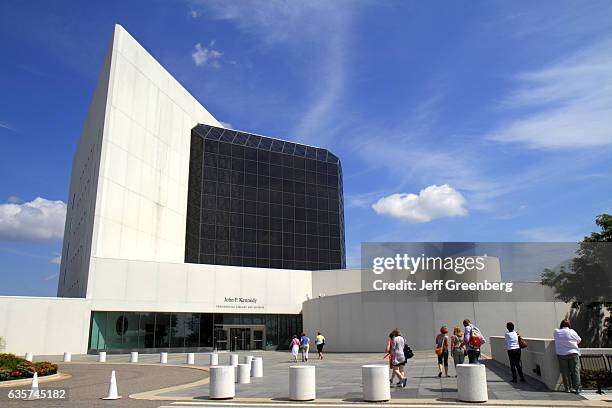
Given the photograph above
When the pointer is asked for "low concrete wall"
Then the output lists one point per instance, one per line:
(539, 359)
(44, 325)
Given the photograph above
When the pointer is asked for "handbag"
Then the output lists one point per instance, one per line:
(522, 343)
(439, 350)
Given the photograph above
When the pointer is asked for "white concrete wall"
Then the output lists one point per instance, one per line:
(361, 322)
(44, 325)
(78, 229)
(144, 169)
(134, 150)
(125, 285)
(336, 282)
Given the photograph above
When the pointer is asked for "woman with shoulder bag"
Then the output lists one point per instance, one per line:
(513, 346)
(442, 346)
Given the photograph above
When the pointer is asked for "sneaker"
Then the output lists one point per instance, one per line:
(577, 391)
(404, 383)
(439, 375)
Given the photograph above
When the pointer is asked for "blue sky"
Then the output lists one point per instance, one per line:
(454, 121)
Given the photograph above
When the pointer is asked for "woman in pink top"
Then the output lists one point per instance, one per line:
(295, 347)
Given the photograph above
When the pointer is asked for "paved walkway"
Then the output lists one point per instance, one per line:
(338, 381)
(339, 377)
(89, 382)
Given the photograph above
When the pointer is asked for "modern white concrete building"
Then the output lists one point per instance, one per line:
(182, 235)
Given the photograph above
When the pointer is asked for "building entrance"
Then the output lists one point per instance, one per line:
(240, 337)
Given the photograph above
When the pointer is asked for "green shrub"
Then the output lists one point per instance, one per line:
(589, 379)
(14, 368)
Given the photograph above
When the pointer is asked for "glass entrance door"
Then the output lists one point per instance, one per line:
(240, 338)
(258, 339)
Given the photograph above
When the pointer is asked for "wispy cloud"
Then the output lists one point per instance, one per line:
(565, 105)
(6, 126)
(319, 33)
(56, 260)
(51, 277)
(557, 233)
(39, 219)
(206, 56)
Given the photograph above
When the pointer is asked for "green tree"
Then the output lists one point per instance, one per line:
(586, 283)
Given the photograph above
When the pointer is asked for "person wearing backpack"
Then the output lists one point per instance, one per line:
(304, 346)
(442, 345)
(473, 340)
(399, 358)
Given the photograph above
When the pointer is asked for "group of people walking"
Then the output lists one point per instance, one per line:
(461, 343)
(466, 343)
(302, 345)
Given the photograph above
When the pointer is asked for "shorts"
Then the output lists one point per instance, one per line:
(320, 347)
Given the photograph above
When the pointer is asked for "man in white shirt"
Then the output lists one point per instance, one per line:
(568, 353)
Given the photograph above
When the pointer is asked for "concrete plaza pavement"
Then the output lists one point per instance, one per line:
(338, 382)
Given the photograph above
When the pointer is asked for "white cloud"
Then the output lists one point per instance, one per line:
(432, 202)
(195, 13)
(203, 56)
(51, 277)
(14, 200)
(56, 260)
(569, 103)
(226, 125)
(38, 219)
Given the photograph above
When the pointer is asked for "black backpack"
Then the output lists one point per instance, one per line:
(408, 352)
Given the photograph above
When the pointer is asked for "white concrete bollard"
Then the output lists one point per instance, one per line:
(67, 357)
(375, 382)
(302, 386)
(222, 384)
(472, 383)
(34, 392)
(244, 374)
(257, 367)
(29, 357)
(163, 357)
(247, 359)
(191, 358)
(112, 388)
(233, 360)
(214, 359)
(102, 357)
(134, 357)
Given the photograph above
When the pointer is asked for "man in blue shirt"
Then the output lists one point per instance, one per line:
(304, 346)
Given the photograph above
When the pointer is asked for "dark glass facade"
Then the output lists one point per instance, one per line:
(179, 332)
(262, 202)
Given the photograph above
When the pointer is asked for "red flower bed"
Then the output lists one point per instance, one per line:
(14, 368)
